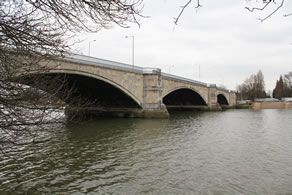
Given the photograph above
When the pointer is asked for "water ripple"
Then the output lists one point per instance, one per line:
(232, 152)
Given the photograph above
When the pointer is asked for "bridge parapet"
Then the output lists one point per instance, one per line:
(179, 78)
(151, 71)
(223, 89)
(88, 60)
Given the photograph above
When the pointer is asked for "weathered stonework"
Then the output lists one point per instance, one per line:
(170, 85)
(146, 88)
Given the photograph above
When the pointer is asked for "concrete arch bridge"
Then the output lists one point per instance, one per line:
(130, 91)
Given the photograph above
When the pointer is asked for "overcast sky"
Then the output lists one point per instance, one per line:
(221, 43)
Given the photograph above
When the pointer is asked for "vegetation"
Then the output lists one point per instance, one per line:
(283, 86)
(252, 88)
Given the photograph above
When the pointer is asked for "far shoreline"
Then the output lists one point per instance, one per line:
(271, 105)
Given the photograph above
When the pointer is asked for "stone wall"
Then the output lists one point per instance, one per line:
(272, 105)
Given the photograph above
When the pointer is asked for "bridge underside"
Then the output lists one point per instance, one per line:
(89, 96)
(222, 101)
(184, 99)
(99, 93)
(93, 96)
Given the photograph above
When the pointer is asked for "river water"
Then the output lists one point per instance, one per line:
(230, 152)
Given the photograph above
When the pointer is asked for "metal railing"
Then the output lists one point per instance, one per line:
(109, 64)
(223, 89)
(102, 63)
(179, 78)
(130, 68)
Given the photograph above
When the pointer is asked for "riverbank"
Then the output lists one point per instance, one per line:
(242, 106)
(271, 105)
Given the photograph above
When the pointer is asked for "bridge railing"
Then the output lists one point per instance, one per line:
(109, 64)
(102, 63)
(151, 71)
(131, 68)
(174, 77)
(179, 78)
(223, 89)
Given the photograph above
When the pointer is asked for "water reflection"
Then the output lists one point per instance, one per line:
(231, 152)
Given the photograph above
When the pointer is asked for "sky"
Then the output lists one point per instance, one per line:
(221, 43)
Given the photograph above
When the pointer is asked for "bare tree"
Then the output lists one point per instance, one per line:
(33, 32)
(288, 84)
(288, 80)
(253, 87)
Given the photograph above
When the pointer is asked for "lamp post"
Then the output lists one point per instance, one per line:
(133, 47)
(89, 47)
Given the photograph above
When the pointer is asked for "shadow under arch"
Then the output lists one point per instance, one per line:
(222, 100)
(97, 90)
(184, 98)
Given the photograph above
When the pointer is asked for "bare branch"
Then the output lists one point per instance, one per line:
(198, 5)
(272, 13)
(287, 15)
(264, 7)
(256, 8)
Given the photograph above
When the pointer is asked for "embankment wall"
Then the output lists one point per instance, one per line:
(272, 105)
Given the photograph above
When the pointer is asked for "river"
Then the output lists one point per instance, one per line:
(229, 152)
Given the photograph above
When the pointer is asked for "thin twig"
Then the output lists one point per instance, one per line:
(256, 8)
(264, 7)
(272, 13)
(183, 8)
(286, 15)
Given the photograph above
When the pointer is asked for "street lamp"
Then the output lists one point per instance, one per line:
(89, 47)
(133, 40)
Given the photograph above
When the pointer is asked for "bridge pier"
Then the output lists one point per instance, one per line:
(153, 106)
(212, 98)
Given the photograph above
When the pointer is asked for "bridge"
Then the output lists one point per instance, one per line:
(130, 91)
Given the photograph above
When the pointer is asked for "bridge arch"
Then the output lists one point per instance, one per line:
(222, 100)
(183, 97)
(95, 83)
